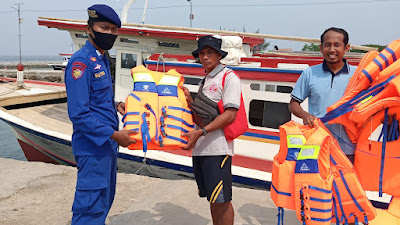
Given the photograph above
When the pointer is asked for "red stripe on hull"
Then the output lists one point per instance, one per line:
(45, 150)
(32, 154)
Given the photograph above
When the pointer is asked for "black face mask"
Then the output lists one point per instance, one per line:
(103, 40)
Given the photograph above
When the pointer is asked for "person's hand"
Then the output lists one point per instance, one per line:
(121, 108)
(123, 138)
(193, 136)
(308, 119)
(187, 95)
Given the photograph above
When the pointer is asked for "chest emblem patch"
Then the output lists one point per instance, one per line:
(98, 66)
(213, 88)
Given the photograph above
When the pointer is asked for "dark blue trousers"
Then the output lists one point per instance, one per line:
(95, 189)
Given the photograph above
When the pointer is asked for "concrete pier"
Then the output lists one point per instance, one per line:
(40, 75)
(41, 193)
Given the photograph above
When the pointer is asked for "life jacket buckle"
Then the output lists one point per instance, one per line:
(147, 106)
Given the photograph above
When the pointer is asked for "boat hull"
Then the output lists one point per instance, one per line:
(169, 164)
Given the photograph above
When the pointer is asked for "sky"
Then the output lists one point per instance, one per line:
(367, 21)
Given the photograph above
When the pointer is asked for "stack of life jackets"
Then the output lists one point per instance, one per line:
(370, 112)
(313, 176)
(158, 110)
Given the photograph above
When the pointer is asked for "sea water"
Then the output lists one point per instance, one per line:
(9, 147)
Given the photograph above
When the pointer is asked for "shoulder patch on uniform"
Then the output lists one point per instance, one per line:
(79, 64)
(77, 72)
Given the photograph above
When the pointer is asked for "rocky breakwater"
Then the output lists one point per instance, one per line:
(32, 71)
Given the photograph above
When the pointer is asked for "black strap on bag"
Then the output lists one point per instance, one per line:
(204, 109)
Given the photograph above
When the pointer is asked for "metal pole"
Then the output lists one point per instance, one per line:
(191, 12)
(19, 28)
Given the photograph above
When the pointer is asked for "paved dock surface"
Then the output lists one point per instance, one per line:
(41, 193)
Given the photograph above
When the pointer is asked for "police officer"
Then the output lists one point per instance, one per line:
(93, 112)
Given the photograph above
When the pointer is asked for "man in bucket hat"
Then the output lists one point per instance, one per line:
(93, 112)
(212, 153)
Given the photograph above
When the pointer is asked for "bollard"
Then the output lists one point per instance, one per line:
(20, 76)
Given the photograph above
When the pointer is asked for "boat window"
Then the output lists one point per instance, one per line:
(191, 80)
(255, 86)
(81, 36)
(268, 114)
(128, 61)
(284, 89)
(168, 44)
(278, 88)
(129, 40)
(270, 87)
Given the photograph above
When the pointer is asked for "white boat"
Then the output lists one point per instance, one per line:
(61, 66)
(44, 130)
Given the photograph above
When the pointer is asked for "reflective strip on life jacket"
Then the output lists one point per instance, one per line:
(282, 191)
(324, 185)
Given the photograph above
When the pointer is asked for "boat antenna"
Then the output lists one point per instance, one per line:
(144, 11)
(124, 17)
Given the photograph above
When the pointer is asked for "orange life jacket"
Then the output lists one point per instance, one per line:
(376, 161)
(368, 73)
(312, 176)
(158, 110)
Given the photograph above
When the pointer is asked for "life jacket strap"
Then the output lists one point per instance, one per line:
(135, 96)
(129, 114)
(145, 132)
(179, 109)
(176, 139)
(180, 120)
(348, 106)
(347, 188)
(365, 219)
(280, 192)
(148, 106)
(131, 123)
(281, 214)
(162, 125)
(385, 137)
(177, 127)
(302, 214)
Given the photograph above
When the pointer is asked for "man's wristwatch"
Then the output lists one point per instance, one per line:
(204, 131)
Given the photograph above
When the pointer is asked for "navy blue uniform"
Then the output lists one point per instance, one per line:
(92, 110)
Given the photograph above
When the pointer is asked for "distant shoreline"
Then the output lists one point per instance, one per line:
(29, 59)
